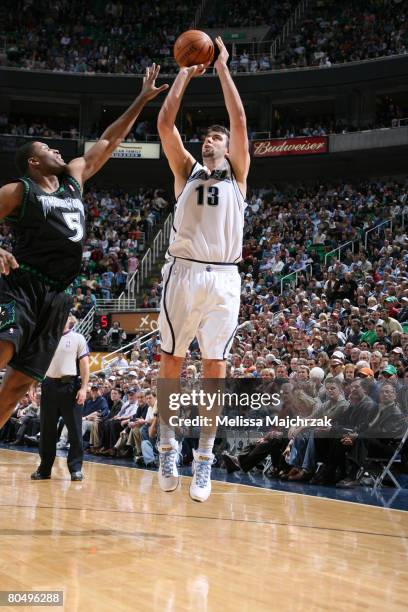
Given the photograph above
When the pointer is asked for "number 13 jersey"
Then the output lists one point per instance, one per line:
(49, 230)
(209, 217)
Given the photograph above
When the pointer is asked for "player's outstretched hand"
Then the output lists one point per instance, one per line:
(7, 262)
(223, 55)
(149, 89)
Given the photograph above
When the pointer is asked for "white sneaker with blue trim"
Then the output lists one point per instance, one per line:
(200, 487)
(168, 472)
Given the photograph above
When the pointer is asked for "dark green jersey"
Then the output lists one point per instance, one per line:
(49, 230)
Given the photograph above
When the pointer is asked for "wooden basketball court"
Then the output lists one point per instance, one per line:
(116, 542)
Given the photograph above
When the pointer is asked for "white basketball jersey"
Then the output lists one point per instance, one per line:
(209, 217)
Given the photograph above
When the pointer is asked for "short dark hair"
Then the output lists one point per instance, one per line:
(22, 156)
(221, 129)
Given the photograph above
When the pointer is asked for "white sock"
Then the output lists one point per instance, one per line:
(167, 436)
(206, 444)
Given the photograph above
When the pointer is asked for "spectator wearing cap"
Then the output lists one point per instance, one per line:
(336, 367)
(396, 357)
(364, 373)
(403, 313)
(388, 372)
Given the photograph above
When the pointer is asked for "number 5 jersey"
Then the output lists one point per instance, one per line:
(49, 230)
(208, 217)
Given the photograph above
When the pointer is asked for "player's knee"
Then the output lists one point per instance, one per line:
(7, 351)
(170, 365)
(14, 387)
(214, 368)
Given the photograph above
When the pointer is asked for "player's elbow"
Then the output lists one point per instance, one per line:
(164, 126)
(239, 122)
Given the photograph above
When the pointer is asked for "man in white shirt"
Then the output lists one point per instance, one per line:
(63, 395)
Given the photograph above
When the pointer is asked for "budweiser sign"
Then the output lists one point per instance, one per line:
(290, 146)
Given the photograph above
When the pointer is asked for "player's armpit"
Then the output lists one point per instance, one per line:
(82, 168)
(76, 169)
(11, 199)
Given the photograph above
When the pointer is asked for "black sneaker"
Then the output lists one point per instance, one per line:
(37, 475)
(230, 462)
(348, 483)
(77, 476)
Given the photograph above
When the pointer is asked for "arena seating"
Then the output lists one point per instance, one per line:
(124, 37)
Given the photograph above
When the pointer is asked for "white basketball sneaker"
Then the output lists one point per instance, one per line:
(200, 487)
(168, 473)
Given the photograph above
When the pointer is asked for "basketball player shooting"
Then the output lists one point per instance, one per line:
(201, 283)
(45, 207)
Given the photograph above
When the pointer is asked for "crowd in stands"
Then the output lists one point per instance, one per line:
(333, 341)
(285, 125)
(35, 129)
(97, 37)
(336, 32)
(124, 37)
(241, 14)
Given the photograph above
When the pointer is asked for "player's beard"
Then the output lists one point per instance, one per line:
(208, 154)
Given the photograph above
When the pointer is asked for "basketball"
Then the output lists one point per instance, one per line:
(193, 47)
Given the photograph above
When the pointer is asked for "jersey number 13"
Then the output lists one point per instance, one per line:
(207, 194)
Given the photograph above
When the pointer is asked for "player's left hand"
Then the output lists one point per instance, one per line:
(80, 397)
(149, 89)
(223, 56)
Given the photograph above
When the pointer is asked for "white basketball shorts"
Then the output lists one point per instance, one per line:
(199, 301)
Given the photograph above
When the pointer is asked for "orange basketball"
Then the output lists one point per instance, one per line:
(193, 47)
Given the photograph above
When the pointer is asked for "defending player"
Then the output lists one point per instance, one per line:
(46, 210)
(201, 291)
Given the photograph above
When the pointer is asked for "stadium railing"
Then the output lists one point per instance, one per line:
(292, 278)
(339, 250)
(150, 258)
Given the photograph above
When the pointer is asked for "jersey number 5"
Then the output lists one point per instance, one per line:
(210, 194)
(73, 220)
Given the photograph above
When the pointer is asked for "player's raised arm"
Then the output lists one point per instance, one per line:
(180, 160)
(238, 148)
(82, 168)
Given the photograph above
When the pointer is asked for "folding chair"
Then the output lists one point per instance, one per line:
(387, 464)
